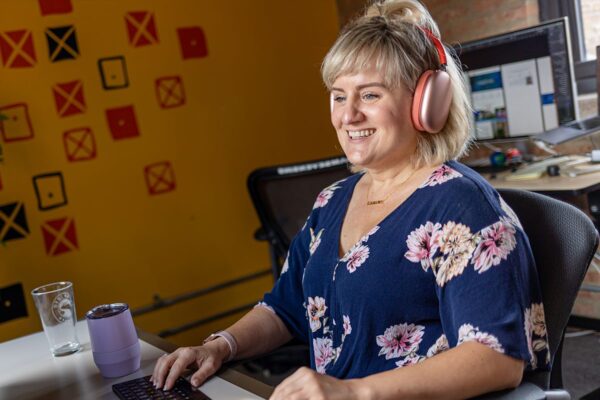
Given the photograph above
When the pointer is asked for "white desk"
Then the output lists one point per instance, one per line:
(29, 371)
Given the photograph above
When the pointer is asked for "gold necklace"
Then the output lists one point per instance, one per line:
(376, 202)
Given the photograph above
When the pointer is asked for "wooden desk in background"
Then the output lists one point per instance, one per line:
(550, 185)
(573, 190)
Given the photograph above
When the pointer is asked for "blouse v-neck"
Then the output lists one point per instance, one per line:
(348, 197)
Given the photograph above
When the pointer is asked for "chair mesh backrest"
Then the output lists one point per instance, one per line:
(284, 195)
(563, 240)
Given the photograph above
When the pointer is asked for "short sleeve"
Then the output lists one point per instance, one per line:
(286, 297)
(488, 287)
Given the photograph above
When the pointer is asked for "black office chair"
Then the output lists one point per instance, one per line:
(283, 197)
(563, 240)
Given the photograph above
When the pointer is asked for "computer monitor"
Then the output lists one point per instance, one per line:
(521, 83)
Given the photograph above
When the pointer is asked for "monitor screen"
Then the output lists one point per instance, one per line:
(520, 83)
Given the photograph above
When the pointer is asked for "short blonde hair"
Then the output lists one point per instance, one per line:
(388, 38)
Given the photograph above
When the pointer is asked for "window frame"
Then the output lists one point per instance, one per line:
(585, 71)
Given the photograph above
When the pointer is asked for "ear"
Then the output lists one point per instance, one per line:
(431, 101)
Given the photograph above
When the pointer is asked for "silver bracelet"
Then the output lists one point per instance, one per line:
(231, 342)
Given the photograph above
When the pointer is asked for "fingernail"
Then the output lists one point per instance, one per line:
(195, 382)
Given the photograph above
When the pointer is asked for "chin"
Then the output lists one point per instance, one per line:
(354, 158)
(358, 162)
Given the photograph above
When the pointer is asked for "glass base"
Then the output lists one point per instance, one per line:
(66, 349)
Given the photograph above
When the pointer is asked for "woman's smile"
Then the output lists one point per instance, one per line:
(360, 134)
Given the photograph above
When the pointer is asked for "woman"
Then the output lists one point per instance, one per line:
(412, 278)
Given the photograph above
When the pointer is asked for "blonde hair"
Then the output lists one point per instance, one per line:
(387, 37)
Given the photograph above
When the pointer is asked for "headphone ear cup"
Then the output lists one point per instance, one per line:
(431, 102)
(418, 100)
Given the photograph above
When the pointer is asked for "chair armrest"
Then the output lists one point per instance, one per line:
(527, 391)
(557, 394)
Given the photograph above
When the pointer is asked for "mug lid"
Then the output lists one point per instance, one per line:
(106, 310)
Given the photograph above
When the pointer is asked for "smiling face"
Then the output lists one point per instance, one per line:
(372, 120)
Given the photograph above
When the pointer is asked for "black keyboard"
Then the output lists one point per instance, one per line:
(142, 388)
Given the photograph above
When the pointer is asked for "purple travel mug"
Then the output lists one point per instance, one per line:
(115, 345)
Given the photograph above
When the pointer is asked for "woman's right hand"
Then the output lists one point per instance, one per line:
(207, 358)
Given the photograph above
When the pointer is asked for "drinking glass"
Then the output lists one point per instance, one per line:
(56, 305)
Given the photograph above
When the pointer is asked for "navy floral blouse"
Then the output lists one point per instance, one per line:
(450, 265)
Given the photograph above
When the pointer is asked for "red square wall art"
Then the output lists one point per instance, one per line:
(192, 42)
(122, 122)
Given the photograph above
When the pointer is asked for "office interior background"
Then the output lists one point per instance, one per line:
(133, 125)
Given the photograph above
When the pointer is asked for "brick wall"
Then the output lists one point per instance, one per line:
(461, 20)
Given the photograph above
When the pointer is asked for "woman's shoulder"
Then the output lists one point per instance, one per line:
(457, 181)
(460, 190)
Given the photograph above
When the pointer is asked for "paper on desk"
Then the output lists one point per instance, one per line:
(582, 169)
(524, 177)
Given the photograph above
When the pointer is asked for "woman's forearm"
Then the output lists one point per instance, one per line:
(258, 332)
(462, 372)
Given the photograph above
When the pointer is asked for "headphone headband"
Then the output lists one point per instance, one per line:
(438, 45)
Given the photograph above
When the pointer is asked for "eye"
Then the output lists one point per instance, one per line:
(369, 96)
(338, 98)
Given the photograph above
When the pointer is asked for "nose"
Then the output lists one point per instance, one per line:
(351, 113)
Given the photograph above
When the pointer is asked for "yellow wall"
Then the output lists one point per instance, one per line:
(256, 99)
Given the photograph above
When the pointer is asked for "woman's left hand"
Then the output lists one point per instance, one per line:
(308, 384)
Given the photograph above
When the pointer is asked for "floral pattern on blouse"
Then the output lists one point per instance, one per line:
(357, 258)
(323, 350)
(324, 353)
(470, 333)
(449, 249)
(440, 345)
(358, 254)
(315, 240)
(495, 244)
(456, 244)
(325, 195)
(422, 244)
(316, 311)
(347, 326)
(441, 175)
(535, 331)
(400, 340)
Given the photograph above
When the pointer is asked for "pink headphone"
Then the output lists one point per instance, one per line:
(433, 94)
